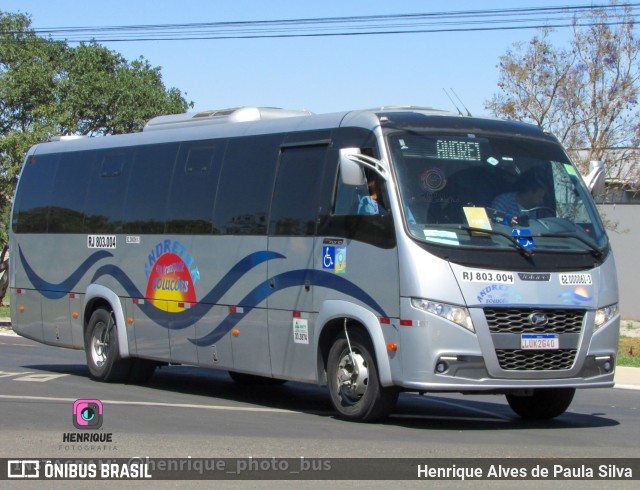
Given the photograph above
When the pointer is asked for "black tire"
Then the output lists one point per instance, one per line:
(357, 396)
(141, 371)
(252, 379)
(544, 404)
(101, 348)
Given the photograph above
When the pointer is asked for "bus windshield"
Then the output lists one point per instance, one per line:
(476, 190)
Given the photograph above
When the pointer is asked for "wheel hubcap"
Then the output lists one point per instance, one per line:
(100, 345)
(353, 377)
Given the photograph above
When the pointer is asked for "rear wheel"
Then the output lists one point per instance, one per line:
(353, 380)
(101, 348)
(543, 404)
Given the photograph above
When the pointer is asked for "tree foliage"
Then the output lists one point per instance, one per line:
(50, 88)
(586, 93)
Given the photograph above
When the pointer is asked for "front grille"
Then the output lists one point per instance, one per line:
(516, 320)
(536, 360)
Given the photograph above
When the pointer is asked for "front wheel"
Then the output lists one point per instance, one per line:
(101, 348)
(354, 385)
(544, 404)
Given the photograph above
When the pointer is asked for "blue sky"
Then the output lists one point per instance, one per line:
(319, 74)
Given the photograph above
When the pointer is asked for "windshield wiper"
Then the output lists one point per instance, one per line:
(596, 252)
(521, 248)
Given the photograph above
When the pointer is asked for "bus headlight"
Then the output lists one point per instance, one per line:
(603, 315)
(456, 314)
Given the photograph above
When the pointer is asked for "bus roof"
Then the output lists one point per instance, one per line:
(244, 121)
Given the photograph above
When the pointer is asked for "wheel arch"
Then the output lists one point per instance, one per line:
(98, 296)
(331, 321)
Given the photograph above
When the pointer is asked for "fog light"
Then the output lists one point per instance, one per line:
(607, 366)
(441, 367)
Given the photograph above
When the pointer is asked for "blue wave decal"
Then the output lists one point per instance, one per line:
(187, 318)
(282, 281)
(61, 289)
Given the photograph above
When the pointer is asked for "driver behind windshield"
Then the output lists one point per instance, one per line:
(517, 205)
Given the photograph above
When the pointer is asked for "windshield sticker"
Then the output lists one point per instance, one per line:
(498, 294)
(433, 179)
(477, 218)
(570, 170)
(335, 259)
(575, 279)
(171, 276)
(523, 237)
(579, 296)
(486, 276)
(441, 236)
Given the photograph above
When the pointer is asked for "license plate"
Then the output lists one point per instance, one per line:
(539, 342)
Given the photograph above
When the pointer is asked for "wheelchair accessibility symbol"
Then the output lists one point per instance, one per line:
(335, 259)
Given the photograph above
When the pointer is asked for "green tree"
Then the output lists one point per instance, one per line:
(49, 88)
(586, 94)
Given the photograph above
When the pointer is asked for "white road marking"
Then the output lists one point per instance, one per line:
(151, 404)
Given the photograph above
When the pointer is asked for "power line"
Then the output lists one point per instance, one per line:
(418, 23)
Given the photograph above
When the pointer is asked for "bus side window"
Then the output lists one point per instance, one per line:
(294, 210)
(246, 184)
(33, 196)
(348, 198)
(70, 191)
(106, 190)
(148, 189)
(350, 219)
(194, 186)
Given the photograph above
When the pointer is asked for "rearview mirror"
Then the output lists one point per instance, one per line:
(350, 171)
(352, 164)
(595, 179)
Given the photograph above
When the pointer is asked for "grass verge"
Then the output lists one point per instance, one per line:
(629, 352)
(4, 309)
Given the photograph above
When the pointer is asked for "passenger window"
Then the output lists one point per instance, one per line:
(295, 201)
(34, 191)
(69, 192)
(105, 194)
(148, 189)
(193, 188)
(246, 184)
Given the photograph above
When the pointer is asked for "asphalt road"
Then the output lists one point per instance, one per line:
(185, 411)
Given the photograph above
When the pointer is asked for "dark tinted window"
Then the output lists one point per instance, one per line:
(105, 195)
(148, 188)
(295, 202)
(350, 217)
(69, 192)
(246, 183)
(193, 189)
(34, 193)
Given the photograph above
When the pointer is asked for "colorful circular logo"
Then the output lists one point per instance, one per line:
(170, 284)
